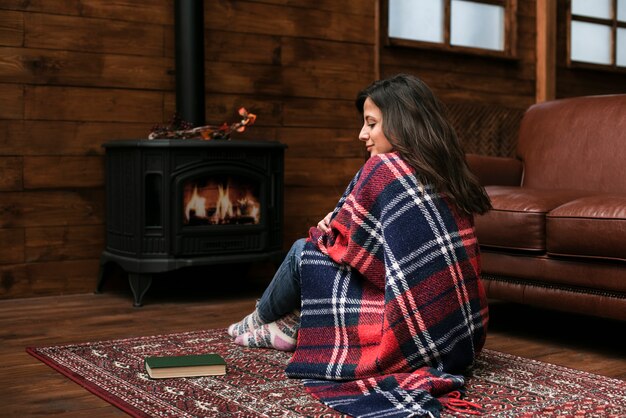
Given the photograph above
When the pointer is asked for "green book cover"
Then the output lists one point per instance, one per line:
(185, 365)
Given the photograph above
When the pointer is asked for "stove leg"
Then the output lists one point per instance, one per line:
(139, 284)
(101, 277)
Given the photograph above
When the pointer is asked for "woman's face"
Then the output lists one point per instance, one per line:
(372, 131)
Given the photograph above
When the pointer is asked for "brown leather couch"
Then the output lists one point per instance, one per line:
(556, 236)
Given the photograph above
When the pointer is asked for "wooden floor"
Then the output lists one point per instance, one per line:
(30, 388)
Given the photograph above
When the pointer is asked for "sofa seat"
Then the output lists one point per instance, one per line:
(597, 276)
(518, 218)
(593, 227)
(556, 236)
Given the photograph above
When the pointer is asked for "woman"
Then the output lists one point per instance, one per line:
(386, 290)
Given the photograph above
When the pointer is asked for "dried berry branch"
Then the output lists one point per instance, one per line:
(180, 129)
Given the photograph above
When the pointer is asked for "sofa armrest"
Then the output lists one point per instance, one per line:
(500, 171)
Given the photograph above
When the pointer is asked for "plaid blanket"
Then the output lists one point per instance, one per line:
(393, 311)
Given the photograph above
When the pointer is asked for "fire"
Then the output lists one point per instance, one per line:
(197, 204)
(249, 207)
(224, 207)
(220, 202)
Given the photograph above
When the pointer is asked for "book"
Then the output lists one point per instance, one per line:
(185, 366)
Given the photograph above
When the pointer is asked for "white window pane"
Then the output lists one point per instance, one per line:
(591, 42)
(593, 8)
(621, 47)
(419, 20)
(621, 10)
(477, 25)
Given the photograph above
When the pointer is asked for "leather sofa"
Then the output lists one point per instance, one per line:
(556, 236)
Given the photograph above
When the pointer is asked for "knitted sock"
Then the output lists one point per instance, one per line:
(249, 323)
(281, 334)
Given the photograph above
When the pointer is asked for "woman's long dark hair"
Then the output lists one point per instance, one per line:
(415, 124)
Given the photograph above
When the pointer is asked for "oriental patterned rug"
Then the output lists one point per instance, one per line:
(255, 385)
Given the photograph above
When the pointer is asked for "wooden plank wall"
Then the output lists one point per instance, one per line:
(78, 73)
(485, 96)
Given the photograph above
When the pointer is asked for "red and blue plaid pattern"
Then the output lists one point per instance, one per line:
(392, 304)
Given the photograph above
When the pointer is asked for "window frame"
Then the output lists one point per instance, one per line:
(510, 32)
(613, 23)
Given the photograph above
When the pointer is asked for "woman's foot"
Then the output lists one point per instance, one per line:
(248, 324)
(281, 334)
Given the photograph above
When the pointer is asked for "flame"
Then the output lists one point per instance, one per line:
(197, 204)
(248, 206)
(256, 213)
(224, 207)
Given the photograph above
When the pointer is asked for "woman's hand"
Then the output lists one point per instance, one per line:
(323, 225)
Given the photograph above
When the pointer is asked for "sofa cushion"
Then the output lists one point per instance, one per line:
(518, 218)
(589, 227)
(575, 144)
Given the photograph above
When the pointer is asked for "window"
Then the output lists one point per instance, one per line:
(597, 33)
(485, 27)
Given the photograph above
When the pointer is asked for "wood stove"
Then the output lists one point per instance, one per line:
(181, 203)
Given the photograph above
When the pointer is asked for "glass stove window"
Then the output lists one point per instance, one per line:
(153, 199)
(221, 200)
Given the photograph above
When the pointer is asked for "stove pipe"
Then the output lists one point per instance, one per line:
(189, 38)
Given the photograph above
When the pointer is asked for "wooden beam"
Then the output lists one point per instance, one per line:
(377, 35)
(546, 51)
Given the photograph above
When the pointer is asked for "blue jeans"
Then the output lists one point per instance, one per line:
(282, 295)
